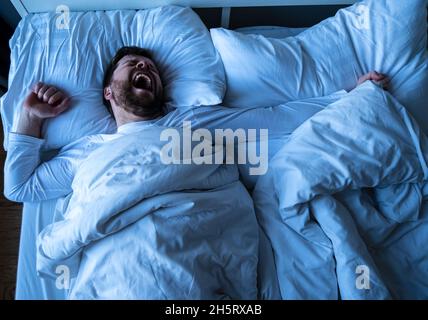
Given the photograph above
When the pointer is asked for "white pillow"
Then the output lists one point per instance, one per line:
(74, 59)
(389, 36)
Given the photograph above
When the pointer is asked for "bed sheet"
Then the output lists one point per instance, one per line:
(29, 286)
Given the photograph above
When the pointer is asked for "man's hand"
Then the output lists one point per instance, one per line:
(45, 101)
(42, 102)
(379, 78)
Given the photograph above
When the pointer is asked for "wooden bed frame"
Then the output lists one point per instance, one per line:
(25, 7)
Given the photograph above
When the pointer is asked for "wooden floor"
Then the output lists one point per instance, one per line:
(10, 212)
(10, 223)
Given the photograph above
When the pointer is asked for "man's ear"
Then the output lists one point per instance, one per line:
(107, 93)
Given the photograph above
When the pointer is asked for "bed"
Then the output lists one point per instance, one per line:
(37, 215)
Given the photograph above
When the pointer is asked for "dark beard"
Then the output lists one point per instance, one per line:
(148, 108)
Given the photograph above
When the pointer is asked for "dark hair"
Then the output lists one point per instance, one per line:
(122, 52)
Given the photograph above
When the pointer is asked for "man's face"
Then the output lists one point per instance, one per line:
(136, 85)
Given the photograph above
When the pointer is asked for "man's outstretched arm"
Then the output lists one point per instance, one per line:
(26, 178)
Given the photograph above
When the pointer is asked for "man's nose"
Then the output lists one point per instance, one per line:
(142, 65)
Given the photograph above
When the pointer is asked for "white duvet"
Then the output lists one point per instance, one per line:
(344, 204)
(341, 214)
(136, 228)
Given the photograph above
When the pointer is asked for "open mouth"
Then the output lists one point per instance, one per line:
(142, 81)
